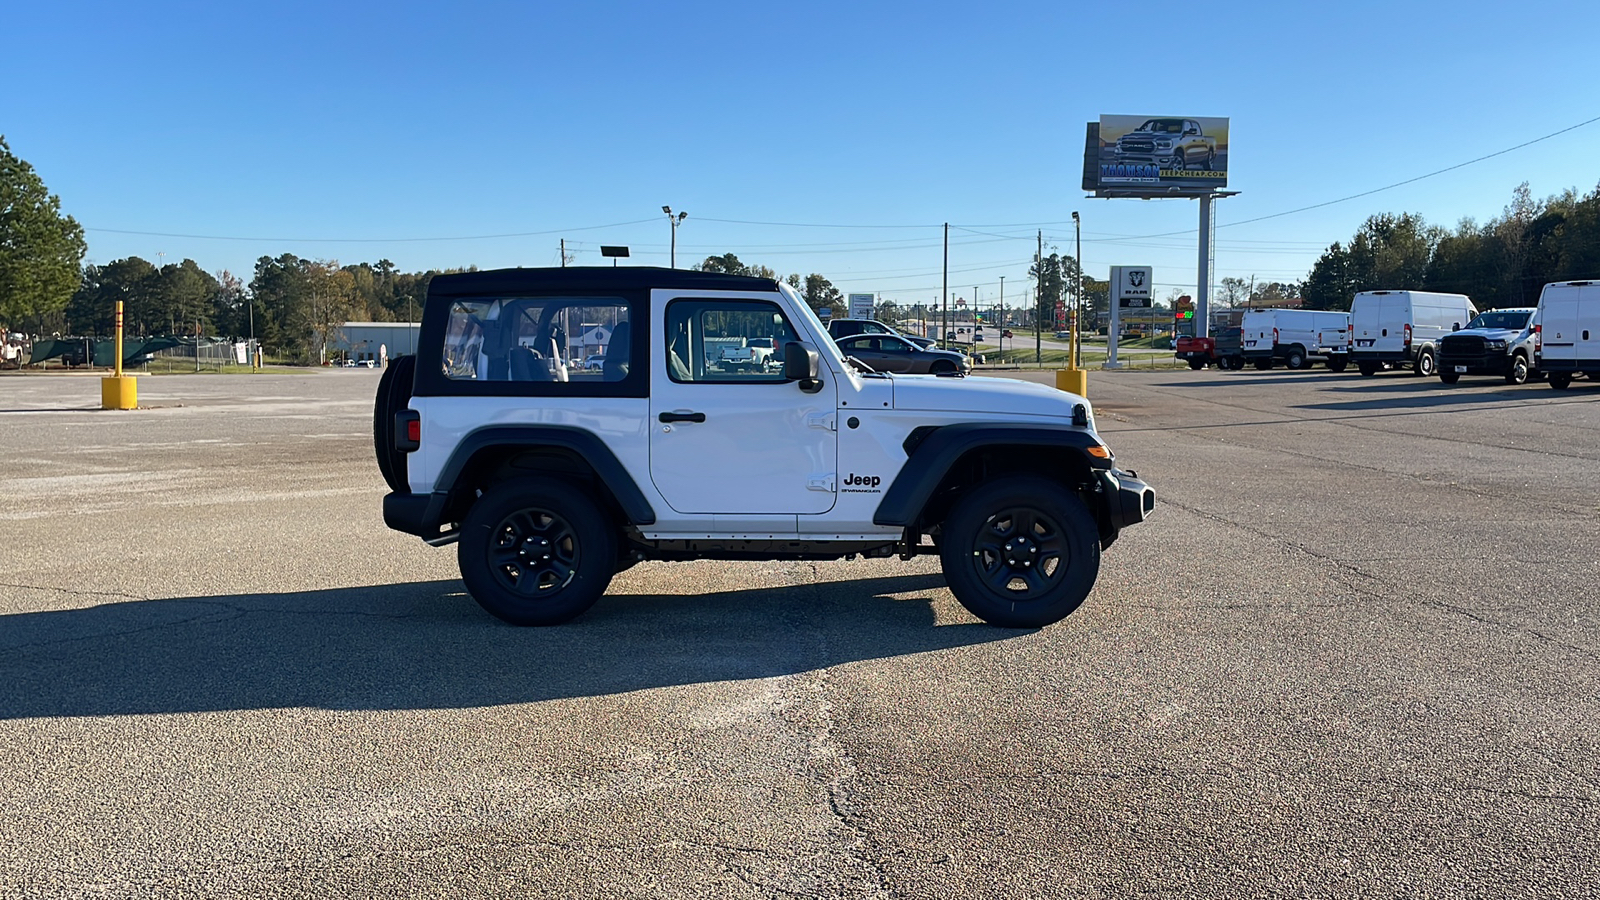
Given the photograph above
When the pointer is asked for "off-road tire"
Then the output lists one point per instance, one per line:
(535, 551)
(1424, 364)
(1518, 373)
(394, 394)
(1020, 551)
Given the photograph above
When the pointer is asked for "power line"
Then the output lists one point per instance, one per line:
(406, 240)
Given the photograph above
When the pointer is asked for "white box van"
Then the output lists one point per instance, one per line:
(1295, 336)
(1567, 331)
(1404, 328)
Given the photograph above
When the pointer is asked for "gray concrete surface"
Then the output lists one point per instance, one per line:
(1354, 654)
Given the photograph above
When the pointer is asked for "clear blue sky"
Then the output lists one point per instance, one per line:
(295, 124)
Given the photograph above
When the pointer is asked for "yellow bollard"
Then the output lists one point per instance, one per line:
(119, 391)
(1073, 381)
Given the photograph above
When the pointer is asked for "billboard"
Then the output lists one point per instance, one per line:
(860, 306)
(1131, 286)
(1155, 156)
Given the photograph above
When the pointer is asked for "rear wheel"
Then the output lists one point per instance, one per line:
(1020, 551)
(1337, 363)
(1560, 380)
(1263, 364)
(1518, 373)
(1295, 358)
(1366, 368)
(394, 395)
(535, 551)
(1424, 364)
(1197, 364)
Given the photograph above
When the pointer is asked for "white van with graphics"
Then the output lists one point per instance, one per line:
(1295, 336)
(1403, 328)
(1567, 331)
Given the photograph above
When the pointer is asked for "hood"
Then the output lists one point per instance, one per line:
(981, 394)
(1493, 334)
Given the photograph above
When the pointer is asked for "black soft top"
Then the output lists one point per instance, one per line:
(518, 281)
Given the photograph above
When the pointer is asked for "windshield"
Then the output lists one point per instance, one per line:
(1510, 321)
(1163, 126)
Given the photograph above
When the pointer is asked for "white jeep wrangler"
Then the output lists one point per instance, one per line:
(553, 478)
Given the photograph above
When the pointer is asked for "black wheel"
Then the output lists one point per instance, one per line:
(1236, 363)
(1518, 373)
(1197, 364)
(1367, 368)
(1295, 358)
(1560, 380)
(942, 367)
(1449, 377)
(394, 394)
(1263, 364)
(535, 551)
(1337, 363)
(1424, 364)
(1020, 551)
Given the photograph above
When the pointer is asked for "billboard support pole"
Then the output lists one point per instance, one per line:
(1116, 327)
(1202, 291)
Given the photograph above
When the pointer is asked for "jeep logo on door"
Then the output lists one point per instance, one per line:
(861, 484)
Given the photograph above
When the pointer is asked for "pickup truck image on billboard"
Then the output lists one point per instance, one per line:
(1159, 152)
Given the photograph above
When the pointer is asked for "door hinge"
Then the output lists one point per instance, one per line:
(823, 483)
(824, 421)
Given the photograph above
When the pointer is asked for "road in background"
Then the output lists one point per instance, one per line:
(1354, 653)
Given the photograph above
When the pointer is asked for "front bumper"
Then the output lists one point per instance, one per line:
(1476, 364)
(1128, 500)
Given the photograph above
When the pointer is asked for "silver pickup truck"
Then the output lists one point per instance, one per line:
(1168, 143)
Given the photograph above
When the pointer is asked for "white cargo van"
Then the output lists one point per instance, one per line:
(1567, 331)
(1403, 328)
(1295, 336)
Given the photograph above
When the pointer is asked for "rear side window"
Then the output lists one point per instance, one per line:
(537, 346)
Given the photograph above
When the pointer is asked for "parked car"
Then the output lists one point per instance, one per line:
(1567, 330)
(1403, 328)
(757, 353)
(838, 328)
(594, 362)
(892, 353)
(1497, 342)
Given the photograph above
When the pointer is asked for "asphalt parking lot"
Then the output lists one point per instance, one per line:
(1353, 654)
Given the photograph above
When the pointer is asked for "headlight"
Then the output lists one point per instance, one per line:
(1164, 144)
(1497, 345)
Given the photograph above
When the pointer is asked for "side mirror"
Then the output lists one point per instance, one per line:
(802, 363)
(1455, 326)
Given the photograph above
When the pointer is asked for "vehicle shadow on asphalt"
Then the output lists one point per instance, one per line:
(429, 646)
(1239, 378)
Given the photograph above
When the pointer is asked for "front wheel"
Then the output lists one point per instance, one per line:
(535, 551)
(1518, 373)
(1560, 380)
(1449, 377)
(1020, 551)
(942, 368)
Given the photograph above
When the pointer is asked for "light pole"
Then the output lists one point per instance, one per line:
(675, 220)
(1003, 320)
(1077, 293)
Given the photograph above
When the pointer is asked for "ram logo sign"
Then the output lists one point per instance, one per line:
(1157, 156)
(1130, 286)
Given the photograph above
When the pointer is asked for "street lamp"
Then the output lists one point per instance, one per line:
(675, 220)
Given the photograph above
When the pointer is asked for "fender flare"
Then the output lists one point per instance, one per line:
(585, 444)
(931, 455)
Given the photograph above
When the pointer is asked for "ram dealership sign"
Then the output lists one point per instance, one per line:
(1131, 286)
(861, 306)
(1156, 156)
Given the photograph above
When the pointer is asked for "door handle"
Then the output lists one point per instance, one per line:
(682, 416)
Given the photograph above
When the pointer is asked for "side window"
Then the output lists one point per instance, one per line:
(555, 340)
(725, 341)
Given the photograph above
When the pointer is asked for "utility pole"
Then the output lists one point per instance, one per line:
(1038, 302)
(1077, 294)
(563, 253)
(1003, 318)
(944, 317)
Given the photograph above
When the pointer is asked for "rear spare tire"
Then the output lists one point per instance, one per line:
(394, 395)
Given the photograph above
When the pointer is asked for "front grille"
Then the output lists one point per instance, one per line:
(1463, 345)
(1138, 147)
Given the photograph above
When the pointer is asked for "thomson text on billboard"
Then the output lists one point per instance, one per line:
(1160, 155)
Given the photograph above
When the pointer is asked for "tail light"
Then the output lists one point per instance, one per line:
(407, 430)
(1538, 338)
(1350, 336)
(1274, 335)
(1407, 333)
